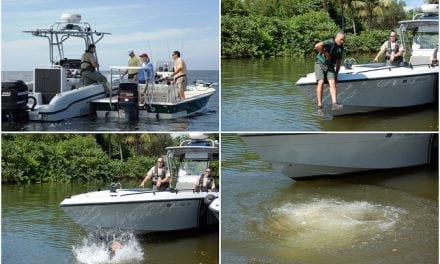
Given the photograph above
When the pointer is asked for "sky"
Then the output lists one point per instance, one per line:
(411, 4)
(156, 27)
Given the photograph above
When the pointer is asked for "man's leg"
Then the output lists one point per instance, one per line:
(181, 86)
(332, 84)
(319, 92)
(101, 78)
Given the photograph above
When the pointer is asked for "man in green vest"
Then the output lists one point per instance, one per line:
(160, 176)
(393, 50)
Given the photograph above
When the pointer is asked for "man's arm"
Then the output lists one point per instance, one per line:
(400, 52)
(381, 52)
(93, 62)
(178, 67)
(147, 177)
(321, 49)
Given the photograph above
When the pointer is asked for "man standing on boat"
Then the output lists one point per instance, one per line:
(132, 62)
(179, 74)
(160, 176)
(393, 51)
(145, 75)
(88, 70)
(327, 64)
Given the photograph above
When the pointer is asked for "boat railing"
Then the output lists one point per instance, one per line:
(163, 91)
(390, 68)
(199, 142)
(149, 190)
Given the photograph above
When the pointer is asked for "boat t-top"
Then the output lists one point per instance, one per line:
(375, 86)
(143, 210)
(57, 91)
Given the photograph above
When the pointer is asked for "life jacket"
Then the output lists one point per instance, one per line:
(162, 175)
(206, 187)
(89, 66)
(332, 48)
(393, 51)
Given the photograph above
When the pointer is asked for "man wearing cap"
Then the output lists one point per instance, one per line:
(132, 62)
(88, 70)
(145, 75)
(160, 176)
(179, 74)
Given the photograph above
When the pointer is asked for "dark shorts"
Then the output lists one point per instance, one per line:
(132, 76)
(324, 72)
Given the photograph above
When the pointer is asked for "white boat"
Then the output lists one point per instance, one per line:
(57, 91)
(305, 155)
(370, 87)
(215, 207)
(157, 101)
(143, 210)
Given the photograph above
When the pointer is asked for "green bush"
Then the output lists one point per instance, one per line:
(32, 158)
(366, 42)
(260, 36)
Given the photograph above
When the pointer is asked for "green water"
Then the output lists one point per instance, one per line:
(260, 95)
(36, 230)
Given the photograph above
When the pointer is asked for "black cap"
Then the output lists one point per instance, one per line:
(91, 46)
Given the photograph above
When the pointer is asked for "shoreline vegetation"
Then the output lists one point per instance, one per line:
(41, 158)
(290, 28)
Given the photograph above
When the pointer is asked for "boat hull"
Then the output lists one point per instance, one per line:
(378, 89)
(215, 207)
(140, 213)
(306, 155)
(155, 110)
(65, 105)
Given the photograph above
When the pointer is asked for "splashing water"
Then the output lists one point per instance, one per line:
(97, 248)
(331, 223)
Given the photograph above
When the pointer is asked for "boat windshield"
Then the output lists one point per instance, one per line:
(425, 40)
(192, 168)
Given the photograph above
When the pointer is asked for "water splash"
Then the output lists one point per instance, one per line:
(110, 246)
(332, 223)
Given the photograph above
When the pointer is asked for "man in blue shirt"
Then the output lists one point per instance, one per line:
(145, 75)
(327, 65)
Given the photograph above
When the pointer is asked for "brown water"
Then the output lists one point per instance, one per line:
(373, 217)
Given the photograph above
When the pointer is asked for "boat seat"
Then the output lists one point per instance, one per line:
(416, 60)
(184, 185)
(70, 63)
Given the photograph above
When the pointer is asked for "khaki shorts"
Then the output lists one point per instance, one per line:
(181, 83)
(324, 72)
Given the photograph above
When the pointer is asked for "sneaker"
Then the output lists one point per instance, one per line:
(321, 111)
(337, 107)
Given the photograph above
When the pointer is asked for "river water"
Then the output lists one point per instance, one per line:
(375, 217)
(260, 95)
(206, 120)
(36, 230)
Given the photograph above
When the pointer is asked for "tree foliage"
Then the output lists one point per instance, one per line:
(266, 28)
(31, 158)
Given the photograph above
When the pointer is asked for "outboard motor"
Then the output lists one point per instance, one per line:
(128, 100)
(114, 187)
(14, 101)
